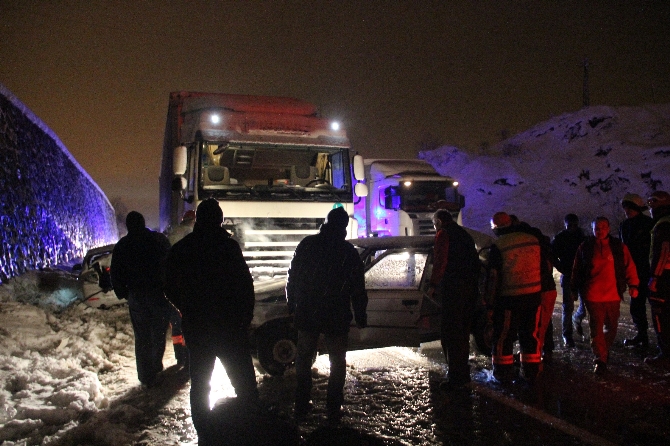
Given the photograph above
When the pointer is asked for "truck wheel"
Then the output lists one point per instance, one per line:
(277, 348)
(481, 333)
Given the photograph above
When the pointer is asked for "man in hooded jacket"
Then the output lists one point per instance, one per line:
(210, 283)
(137, 266)
(325, 279)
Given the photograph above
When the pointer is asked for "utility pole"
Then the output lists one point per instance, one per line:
(585, 88)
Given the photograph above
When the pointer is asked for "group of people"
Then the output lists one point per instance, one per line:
(595, 271)
(198, 279)
(199, 274)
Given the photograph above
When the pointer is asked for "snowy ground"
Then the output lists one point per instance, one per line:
(68, 378)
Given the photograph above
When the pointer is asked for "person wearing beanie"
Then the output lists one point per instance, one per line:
(659, 282)
(635, 232)
(325, 280)
(137, 273)
(210, 284)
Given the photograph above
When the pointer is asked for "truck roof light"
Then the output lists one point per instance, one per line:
(455, 183)
(335, 125)
(215, 118)
(407, 183)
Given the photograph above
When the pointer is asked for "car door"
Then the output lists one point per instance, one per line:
(394, 280)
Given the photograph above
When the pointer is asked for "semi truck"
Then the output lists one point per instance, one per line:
(402, 196)
(275, 166)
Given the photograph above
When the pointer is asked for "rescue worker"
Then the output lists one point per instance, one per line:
(455, 275)
(515, 266)
(177, 233)
(325, 280)
(602, 269)
(548, 292)
(635, 233)
(210, 284)
(564, 247)
(137, 273)
(659, 282)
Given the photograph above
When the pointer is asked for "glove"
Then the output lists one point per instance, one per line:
(633, 291)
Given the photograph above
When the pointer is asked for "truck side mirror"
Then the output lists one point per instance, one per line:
(178, 184)
(179, 160)
(359, 168)
(361, 190)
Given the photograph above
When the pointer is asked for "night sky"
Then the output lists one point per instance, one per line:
(397, 74)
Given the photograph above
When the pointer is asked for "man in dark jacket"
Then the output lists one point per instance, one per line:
(564, 247)
(137, 266)
(210, 283)
(325, 279)
(635, 232)
(455, 276)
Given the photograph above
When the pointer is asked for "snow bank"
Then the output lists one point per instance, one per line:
(581, 162)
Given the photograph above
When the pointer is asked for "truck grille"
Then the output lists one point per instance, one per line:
(426, 226)
(268, 243)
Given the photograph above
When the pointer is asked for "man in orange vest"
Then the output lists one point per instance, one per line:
(515, 262)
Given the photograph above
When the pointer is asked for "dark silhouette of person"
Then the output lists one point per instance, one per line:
(325, 280)
(210, 284)
(455, 276)
(137, 272)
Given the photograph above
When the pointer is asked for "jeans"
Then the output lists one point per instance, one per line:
(337, 353)
(568, 308)
(150, 316)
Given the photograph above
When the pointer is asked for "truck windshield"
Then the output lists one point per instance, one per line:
(267, 172)
(421, 196)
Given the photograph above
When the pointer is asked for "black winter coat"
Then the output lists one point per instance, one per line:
(636, 234)
(138, 262)
(325, 279)
(564, 248)
(209, 281)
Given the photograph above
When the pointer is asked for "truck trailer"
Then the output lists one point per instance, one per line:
(274, 165)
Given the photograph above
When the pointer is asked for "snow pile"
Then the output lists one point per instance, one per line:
(581, 162)
(51, 364)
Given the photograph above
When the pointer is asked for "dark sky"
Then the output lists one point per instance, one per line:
(396, 73)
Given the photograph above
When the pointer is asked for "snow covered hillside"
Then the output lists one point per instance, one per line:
(581, 162)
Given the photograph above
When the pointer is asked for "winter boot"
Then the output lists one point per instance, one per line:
(639, 340)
